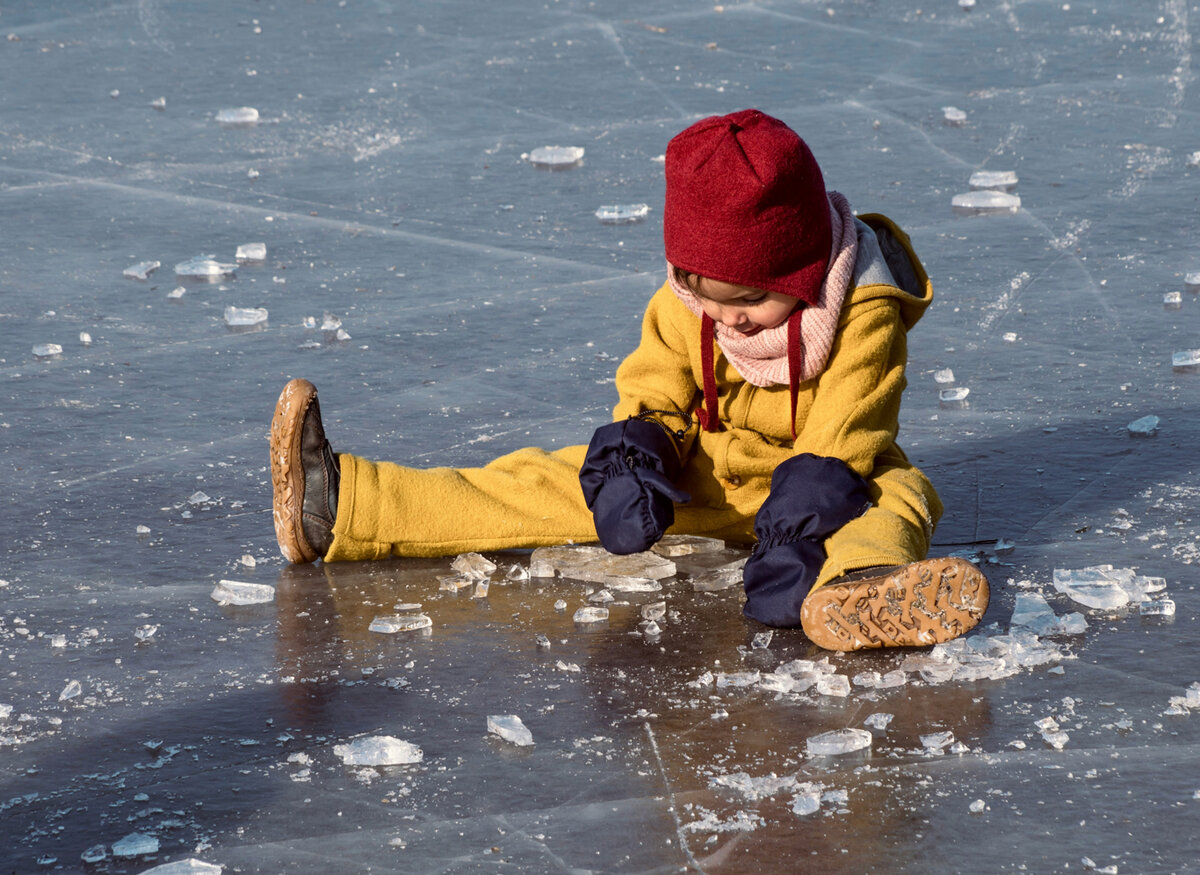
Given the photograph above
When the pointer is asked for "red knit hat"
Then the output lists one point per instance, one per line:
(746, 204)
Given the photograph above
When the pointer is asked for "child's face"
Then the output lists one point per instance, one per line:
(744, 309)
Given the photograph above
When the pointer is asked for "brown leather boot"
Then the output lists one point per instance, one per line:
(304, 474)
(915, 605)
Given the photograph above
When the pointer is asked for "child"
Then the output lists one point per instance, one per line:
(762, 402)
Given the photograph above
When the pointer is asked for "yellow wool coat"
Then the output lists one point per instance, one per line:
(850, 411)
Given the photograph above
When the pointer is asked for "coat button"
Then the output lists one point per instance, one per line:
(734, 480)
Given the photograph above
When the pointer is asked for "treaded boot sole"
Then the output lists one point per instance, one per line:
(287, 470)
(926, 602)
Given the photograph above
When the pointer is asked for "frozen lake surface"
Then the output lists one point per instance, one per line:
(454, 299)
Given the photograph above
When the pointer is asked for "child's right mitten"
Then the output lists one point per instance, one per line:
(628, 483)
(811, 498)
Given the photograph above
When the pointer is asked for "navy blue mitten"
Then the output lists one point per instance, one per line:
(628, 483)
(811, 498)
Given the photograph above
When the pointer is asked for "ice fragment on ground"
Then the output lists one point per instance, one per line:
(510, 728)
(654, 611)
(481, 590)
(85, 338)
(686, 545)
(600, 597)
(1051, 733)
(761, 640)
(807, 801)
(141, 270)
(244, 316)
(777, 683)
(204, 267)
(1009, 337)
(737, 679)
(833, 685)
(567, 666)
(741, 821)
(597, 565)
(866, 679)
(1034, 613)
(237, 592)
(943, 377)
(720, 578)
(70, 691)
(993, 179)
(185, 867)
(1089, 863)
(632, 584)
(590, 614)
(58, 640)
(934, 742)
(977, 806)
(1158, 608)
(517, 572)
(248, 560)
(751, 788)
(986, 200)
(145, 633)
(1147, 426)
(473, 565)
(966, 5)
(159, 103)
(542, 642)
(390, 624)
(839, 741)
(555, 157)
(1003, 547)
(330, 322)
(560, 605)
(135, 844)
(878, 720)
(378, 750)
(252, 252)
(1192, 279)
(240, 115)
(1173, 300)
(1097, 586)
(46, 350)
(95, 854)
(953, 396)
(651, 629)
(1185, 358)
(177, 292)
(455, 582)
(622, 214)
(952, 115)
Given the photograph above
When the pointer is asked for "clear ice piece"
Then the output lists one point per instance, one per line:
(866, 679)
(244, 316)
(986, 200)
(236, 592)
(517, 572)
(685, 545)
(177, 293)
(1097, 586)
(510, 728)
(473, 565)
(456, 582)
(390, 624)
(839, 741)
(720, 578)
(46, 350)
(943, 377)
(952, 115)
(993, 179)
(94, 854)
(807, 801)
(753, 788)
(378, 750)
(601, 597)
(252, 252)
(185, 867)
(833, 685)
(481, 589)
(737, 679)
(556, 157)
(936, 741)
(70, 691)
(878, 720)
(591, 614)
(1158, 608)
(204, 267)
(977, 806)
(762, 640)
(597, 565)
(238, 115)
(1173, 300)
(135, 844)
(622, 214)
(1192, 279)
(632, 584)
(141, 270)
(1185, 358)
(952, 396)
(330, 322)
(654, 611)
(85, 338)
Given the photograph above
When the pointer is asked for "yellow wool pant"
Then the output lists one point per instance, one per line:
(532, 498)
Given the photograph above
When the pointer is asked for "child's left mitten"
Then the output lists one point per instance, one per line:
(811, 498)
(628, 480)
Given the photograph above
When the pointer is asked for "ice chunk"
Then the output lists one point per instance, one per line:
(934, 742)
(993, 179)
(762, 640)
(1193, 159)
(600, 597)
(720, 578)
(685, 545)
(754, 788)
(879, 720)
(977, 806)
(654, 611)
(5, 711)
(481, 589)
(455, 582)
(204, 267)
(737, 679)
(517, 572)
(177, 293)
(135, 844)
(46, 350)
(95, 854)
(966, 5)
(807, 801)
(70, 691)
(378, 750)
(954, 116)
(390, 624)
(590, 614)
(141, 270)
(866, 679)
(145, 633)
(1192, 279)
(236, 592)
(85, 338)
(1159, 608)
(651, 629)
(1034, 613)
(252, 252)
(839, 741)
(473, 565)
(1009, 337)
(777, 683)
(556, 157)
(943, 377)
(632, 584)
(60, 640)
(159, 103)
(833, 685)
(510, 728)
(953, 396)
(1186, 358)
(597, 565)
(239, 115)
(986, 200)
(185, 867)
(330, 322)
(622, 214)
(1097, 586)
(1173, 300)
(244, 316)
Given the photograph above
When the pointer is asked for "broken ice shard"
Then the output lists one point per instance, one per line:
(807, 801)
(986, 200)
(159, 103)
(245, 316)
(1172, 300)
(1159, 608)
(378, 750)
(1147, 426)
(510, 728)
(70, 691)
(993, 179)
(952, 115)
(1034, 613)
(936, 741)
(236, 592)
(473, 565)
(943, 377)
(833, 685)
(1186, 359)
(685, 545)
(600, 597)
(390, 624)
(956, 395)
(839, 741)
(252, 252)
(46, 350)
(589, 614)
(755, 788)
(556, 157)
(94, 854)
(135, 844)
(1098, 586)
(185, 867)
(654, 611)
(622, 214)
(717, 579)
(240, 115)
(1192, 279)
(878, 720)
(762, 640)
(597, 565)
(977, 806)
(737, 679)
(85, 338)
(204, 267)
(141, 270)
(517, 572)
(632, 584)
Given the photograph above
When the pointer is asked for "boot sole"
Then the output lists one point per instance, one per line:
(926, 602)
(287, 470)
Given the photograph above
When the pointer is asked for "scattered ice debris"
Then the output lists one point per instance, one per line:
(378, 750)
(1098, 586)
(248, 561)
(590, 614)
(245, 316)
(1052, 734)
(141, 270)
(58, 641)
(954, 116)
(595, 564)
(1033, 612)
(943, 377)
(70, 691)
(1186, 359)
(651, 629)
(1187, 702)
(808, 800)
(159, 103)
(622, 214)
(240, 115)
(5, 711)
(329, 322)
(481, 589)
(85, 338)
(1147, 426)
(542, 642)
(390, 624)
(994, 179)
(567, 666)
(135, 844)
(957, 395)
(176, 293)
(720, 578)
(510, 728)
(198, 498)
(737, 679)
(236, 592)
(1173, 300)
(754, 789)
(455, 582)
(252, 252)
(473, 565)
(672, 546)
(186, 867)
(1089, 863)
(47, 350)
(977, 806)
(204, 267)
(517, 572)
(555, 157)
(740, 821)
(879, 720)
(986, 200)
(839, 741)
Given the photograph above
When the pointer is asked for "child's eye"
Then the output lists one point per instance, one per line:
(757, 300)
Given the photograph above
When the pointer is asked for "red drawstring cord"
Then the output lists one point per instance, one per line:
(707, 412)
(795, 354)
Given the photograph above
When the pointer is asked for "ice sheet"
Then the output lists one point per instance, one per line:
(482, 308)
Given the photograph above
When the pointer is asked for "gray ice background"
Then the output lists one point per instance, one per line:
(486, 309)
